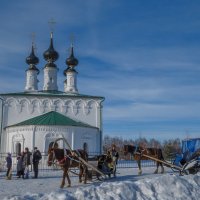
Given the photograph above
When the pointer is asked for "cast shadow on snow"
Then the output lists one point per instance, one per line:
(107, 180)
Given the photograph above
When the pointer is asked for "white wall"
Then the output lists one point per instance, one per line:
(41, 136)
(18, 109)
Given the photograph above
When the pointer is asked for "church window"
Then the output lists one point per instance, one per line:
(51, 79)
(71, 81)
(51, 145)
(85, 146)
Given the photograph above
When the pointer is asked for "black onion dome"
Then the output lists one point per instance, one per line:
(32, 59)
(50, 54)
(72, 61)
(69, 69)
(33, 67)
(50, 64)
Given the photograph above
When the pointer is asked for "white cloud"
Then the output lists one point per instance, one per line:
(152, 112)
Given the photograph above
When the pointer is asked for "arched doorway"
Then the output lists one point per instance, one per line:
(17, 144)
(18, 148)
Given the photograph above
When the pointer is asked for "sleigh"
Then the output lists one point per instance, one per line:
(106, 165)
(189, 159)
(186, 163)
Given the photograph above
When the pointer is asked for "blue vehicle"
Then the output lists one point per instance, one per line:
(189, 160)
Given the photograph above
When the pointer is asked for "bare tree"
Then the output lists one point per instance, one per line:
(170, 147)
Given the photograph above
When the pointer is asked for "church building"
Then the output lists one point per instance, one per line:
(37, 117)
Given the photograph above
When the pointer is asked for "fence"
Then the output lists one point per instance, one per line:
(55, 171)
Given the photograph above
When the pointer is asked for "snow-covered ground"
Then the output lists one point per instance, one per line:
(127, 185)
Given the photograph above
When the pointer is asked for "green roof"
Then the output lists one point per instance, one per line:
(52, 118)
(54, 93)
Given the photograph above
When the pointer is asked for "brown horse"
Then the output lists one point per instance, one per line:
(137, 155)
(67, 159)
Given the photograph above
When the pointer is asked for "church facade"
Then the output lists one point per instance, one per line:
(38, 117)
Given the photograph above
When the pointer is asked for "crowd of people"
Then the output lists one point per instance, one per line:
(24, 160)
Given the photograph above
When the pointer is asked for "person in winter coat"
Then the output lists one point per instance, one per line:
(27, 161)
(27, 157)
(115, 157)
(9, 166)
(36, 158)
(20, 165)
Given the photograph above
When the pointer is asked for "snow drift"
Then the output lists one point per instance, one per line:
(163, 187)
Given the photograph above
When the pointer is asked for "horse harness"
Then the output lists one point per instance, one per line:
(70, 156)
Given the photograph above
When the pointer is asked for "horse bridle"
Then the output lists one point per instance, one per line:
(54, 157)
(53, 161)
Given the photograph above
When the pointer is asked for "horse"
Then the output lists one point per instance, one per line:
(67, 160)
(137, 155)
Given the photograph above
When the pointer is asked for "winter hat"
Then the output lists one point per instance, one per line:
(26, 149)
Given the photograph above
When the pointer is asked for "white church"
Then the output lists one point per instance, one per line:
(37, 117)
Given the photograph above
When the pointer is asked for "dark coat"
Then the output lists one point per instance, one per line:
(36, 156)
(27, 158)
(20, 163)
(9, 161)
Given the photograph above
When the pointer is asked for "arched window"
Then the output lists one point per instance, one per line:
(51, 145)
(50, 138)
(18, 148)
(85, 146)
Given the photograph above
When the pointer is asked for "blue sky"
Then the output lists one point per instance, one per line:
(143, 56)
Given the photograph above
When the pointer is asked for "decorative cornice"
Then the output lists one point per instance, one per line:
(41, 128)
(42, 105)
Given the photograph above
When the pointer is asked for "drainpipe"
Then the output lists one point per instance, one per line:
(33, 138)
(101, 127)
(72, 144)
(1, 128)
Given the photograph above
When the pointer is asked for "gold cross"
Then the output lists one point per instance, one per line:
(71, 38)
(33, 36)
(51, 23)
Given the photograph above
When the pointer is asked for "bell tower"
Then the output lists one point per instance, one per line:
(50, 69)
(70, 84)
(32, 72)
